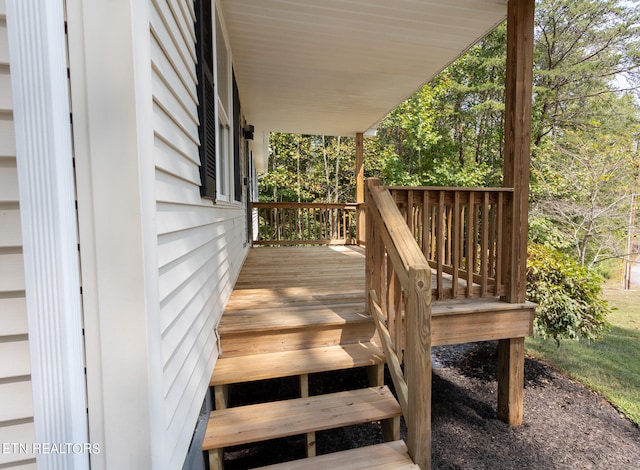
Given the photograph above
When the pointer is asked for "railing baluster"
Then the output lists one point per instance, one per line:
(477, 236)
(426, 230)
(499, 243)
(448, 228)
(457, 235)
(484, 253)
(492, 240)
(440, 245)
(470, 243)
(409, 216)
(389, 302)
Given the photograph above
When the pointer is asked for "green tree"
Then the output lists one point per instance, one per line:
(400, 153)
(470, 106)
(584, 184)
(582, 48)
(305, 168)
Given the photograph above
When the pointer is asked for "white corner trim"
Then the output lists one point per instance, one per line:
(49, 226)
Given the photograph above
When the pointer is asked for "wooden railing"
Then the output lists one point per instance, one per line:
(460, 232)
(399, 281)
(290, 223)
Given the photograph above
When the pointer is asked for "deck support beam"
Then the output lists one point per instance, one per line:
(511, 380)
(221, 396)
(310, 436)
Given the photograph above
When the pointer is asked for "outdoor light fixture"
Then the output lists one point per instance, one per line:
(248, 132)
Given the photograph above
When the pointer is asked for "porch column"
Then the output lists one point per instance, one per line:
(360, 214)
(519, 79)
(517, 144)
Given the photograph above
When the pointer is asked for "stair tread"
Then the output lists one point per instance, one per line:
(237, 369)
(279, 318)
(387, 456)
(264, 421)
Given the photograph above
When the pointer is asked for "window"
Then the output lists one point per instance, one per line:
(225, 132)
(206, 98)
(223, 170)
(237, 147)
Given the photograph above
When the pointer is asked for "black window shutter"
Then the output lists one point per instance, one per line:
(237, 135)
(206, 98)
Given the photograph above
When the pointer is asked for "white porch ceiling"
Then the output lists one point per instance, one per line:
(337, 67)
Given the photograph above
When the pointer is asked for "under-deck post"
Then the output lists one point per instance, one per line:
(360, 212)
(518, 93)
(511, 380)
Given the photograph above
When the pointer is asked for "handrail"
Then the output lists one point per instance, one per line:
(398, 273)
(295, 223)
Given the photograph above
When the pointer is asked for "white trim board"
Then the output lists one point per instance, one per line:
(46, 188)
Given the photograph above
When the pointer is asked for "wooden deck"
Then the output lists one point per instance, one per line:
(299, 271)
(320, 284)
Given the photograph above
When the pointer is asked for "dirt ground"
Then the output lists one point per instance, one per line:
(566, 426)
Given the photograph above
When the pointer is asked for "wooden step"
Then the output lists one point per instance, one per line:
(237, 369)
(387, 456)
(296, 317)
(264, 421)
(251, 343)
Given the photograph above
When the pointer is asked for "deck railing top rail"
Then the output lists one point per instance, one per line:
(449, 188)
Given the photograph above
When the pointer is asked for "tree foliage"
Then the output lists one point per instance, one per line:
(584, 182)
(304, 168)
(582, 49)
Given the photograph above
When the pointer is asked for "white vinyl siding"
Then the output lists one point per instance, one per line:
(200, 244)
(16, 407)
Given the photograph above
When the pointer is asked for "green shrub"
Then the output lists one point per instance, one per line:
(568, 296)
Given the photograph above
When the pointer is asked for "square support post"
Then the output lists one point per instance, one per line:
(517, 144)
(517, 160)
(511, 380)
(360, 212)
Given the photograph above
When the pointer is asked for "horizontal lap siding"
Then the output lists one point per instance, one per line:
(200, 244)
(16, 407)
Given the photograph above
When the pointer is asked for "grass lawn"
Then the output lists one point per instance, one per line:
(610, 366)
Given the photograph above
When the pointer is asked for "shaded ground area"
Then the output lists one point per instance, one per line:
(566, 426)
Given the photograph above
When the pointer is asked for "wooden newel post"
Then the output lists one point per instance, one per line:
(374, 249)
(418, 366)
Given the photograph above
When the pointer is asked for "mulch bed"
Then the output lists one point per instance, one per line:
(566, 426)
